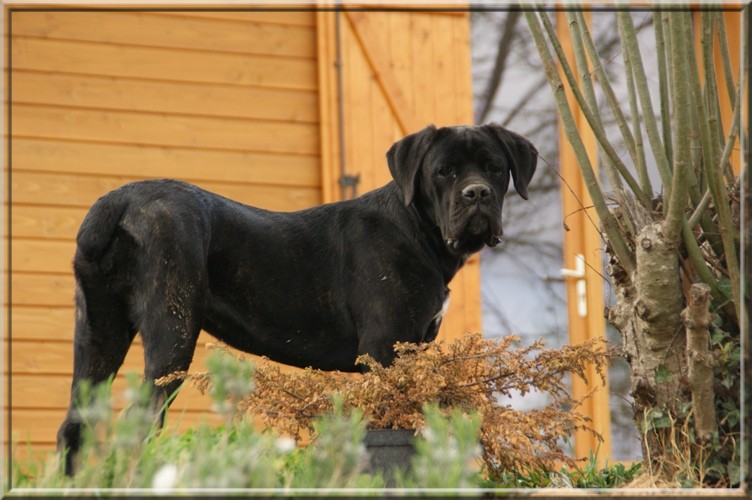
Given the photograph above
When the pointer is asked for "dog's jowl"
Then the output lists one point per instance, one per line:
(315, 288)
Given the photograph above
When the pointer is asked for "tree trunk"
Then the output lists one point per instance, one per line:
(658, 307)
(648, 313)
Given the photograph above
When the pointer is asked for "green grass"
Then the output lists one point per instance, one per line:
(590, 476)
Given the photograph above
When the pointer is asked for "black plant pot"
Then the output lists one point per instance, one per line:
(390, 450)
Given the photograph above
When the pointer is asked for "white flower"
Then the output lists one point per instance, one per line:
(165, 478)
(285, 444)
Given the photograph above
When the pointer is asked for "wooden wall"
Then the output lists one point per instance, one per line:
(231, 101)
(228, 101)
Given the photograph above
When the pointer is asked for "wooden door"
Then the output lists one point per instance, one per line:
(400, 71)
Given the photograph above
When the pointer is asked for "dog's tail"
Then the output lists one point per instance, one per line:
(98, 227)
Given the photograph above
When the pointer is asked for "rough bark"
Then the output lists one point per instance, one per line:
(699, 362)
(647, 310)
(658, 307)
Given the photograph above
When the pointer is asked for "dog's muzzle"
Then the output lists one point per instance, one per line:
(479, 218)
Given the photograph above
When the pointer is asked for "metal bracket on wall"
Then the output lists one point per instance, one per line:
(349, 181)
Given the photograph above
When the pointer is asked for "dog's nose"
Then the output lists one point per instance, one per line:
(476, 192)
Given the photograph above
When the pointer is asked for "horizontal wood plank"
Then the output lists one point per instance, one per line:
(47, 325)
(26, 383)
(48, 290)
(41, 256)
(24, 450)
(165, 130)
(65, 190)
(143, 28)
(45, 222)
(112, 93)
(157, 162)
(39, 427)
(34, 357)
(53, 223)
(27, 392)
(42, 323)
(41, 188)
(283, 17)
(162, 64)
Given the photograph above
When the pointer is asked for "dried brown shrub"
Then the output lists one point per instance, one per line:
(471, 373)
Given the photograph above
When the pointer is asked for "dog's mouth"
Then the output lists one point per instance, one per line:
(479, 229)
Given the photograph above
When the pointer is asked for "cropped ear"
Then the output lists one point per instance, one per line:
(522, 155)
(405, 157)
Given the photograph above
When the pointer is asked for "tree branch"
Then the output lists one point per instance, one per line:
(633, 142)
(714, 173)
(726, 58)
(699, 362)
(662, 48)
(610, 226)
(711, 91)
(590, 114)
(577, 26)
(502, 55)
(634, 60)
(680, 75)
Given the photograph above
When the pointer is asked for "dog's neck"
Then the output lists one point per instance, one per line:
(448, 263)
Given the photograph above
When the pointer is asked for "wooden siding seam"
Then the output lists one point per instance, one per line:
(26, 272)
(186, 83)
(14, 305)
(162, 48)
(417, 9)
(57, 307)
(26, 373)
(16, 204)
(235, 118)
(151, 146)
(250, 38)
(14, 343)
(42, 239)
(249, 183)
(119, 61)
(184, 147)
(197, 15)
(256, 22)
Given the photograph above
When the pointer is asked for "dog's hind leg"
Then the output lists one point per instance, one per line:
(172, 321)
(169, 345)
(102, 337)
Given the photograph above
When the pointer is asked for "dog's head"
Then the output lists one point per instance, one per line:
(458, 176)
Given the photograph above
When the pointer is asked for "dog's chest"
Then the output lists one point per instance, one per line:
(436, 320)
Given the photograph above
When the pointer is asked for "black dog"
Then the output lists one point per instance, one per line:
(314, 288)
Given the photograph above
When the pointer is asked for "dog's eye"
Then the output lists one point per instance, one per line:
(446, 172)
(493, 168)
